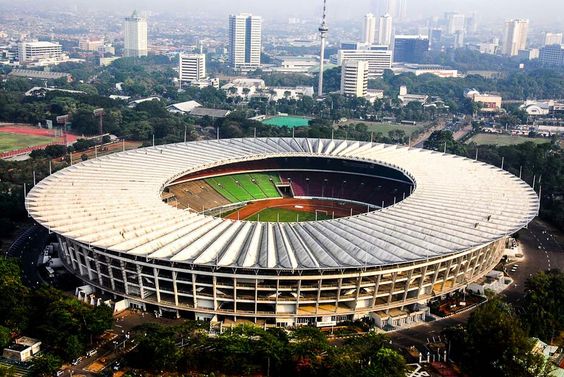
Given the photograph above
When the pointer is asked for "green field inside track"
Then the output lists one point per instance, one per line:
(12, 142)
(246, 187)
(284, 215)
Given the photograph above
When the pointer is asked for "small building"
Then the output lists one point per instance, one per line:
(22, 350)
(183, 107)
(243, 87)
(406, 98)
(491, 103)
(41, 75)
(134, 104)
(494, 281)
(201, 112)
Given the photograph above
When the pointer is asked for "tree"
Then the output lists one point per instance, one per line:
(45, 365)
(5, 337)
(386, 363)
(544, 304)
(494, 343)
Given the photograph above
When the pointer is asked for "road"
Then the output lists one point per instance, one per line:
(418, 143)
(543, 248)
(27, 248)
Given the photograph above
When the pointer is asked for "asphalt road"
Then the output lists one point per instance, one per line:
(27, 248)
(543, 248)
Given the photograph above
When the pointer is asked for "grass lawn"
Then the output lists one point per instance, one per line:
(290, 122)
(503, 140)
(10, 142)
(385, 128)
(286, 216)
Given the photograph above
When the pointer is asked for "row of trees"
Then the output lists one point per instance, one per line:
(249, 350)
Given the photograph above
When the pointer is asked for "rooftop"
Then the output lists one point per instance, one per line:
(114, 203)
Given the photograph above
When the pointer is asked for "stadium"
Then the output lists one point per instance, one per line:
(282, 231)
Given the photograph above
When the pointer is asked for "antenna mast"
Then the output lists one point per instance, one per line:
(323, 30)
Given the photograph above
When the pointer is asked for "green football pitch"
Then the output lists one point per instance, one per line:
(283, 215)
(290, 122)
(12, 142)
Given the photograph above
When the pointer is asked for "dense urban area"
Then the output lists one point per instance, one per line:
(103, 84)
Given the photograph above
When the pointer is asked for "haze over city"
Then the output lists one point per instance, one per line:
(545, 11)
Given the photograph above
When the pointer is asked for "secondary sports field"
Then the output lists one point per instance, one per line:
(291, 122)
(284, 215)
(385, 128)
(503, 140)
(10, 141)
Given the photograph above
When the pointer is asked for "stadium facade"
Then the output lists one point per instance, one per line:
(119, 236)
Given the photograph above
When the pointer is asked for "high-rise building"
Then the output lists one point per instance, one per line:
(515, 36)
(369, 28)
(354, 78)
(192, 67)
(135, 36)
(436, 39)
(552, 39)
(552, 55)
(245, 41)
(397, 9)
(385, 33)
(378, 59)
(35, 51)
(456, 23)
(410, 48)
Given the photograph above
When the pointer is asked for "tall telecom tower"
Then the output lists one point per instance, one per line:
(323, 30)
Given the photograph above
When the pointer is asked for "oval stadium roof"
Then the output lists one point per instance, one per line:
(114, 203)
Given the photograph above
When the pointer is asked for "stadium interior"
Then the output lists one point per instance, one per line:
(289, 189)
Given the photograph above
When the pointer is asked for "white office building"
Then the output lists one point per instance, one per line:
(552, 39)
(456, 23)
(354, 78)
(369, 28)
(385, 33)
(192, 67)
(245, 41)
(29, 52)
(378, 60)
(135, 36)
(515, 36)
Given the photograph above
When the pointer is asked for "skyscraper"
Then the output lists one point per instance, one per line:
(135, 36)
(245, 41)
(385, 30)
(397, 9)
(552, 39)
(369, 28)
(515, 36)
(456, 23)
(410, 48)
(354, 78)
(192, 67)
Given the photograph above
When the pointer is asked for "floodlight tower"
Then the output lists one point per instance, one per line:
(323, 30)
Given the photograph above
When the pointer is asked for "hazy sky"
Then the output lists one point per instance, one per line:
(540, 11)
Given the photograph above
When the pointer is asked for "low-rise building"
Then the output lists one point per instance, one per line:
(494, 281)
(183, 107)
(22, 350)
(243, 87)
(406, 98)
(491, 103)
(35, 51)
(41, 75)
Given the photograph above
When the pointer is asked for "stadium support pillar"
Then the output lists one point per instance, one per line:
(520, 171)
(50, 167)
(476, 153)
(123, 145)
(371, 137)
(153, 140)
(217, 133)
(502, 162)
(185, 133)
(71, 158)
(34, 182)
